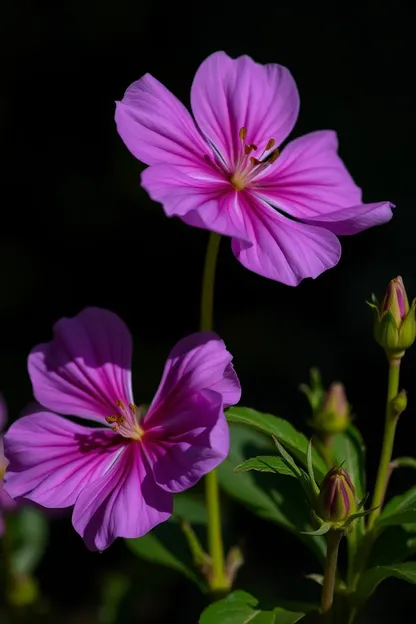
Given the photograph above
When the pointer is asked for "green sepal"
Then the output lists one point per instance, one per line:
(324, 528)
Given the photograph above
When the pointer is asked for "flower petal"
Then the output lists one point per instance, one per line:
(125, 502)
(193, 442)
(309, 179)
(6, 502)
(352, 220)
(86, 368)
(229, 94)
(52, 459)
(282, 249)
(208, 204)
(157, 128)
(198, 362)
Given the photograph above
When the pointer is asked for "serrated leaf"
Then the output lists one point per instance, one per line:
(242, 608)
(274, 497)
(294, 441)
(374, 576)
(266, 463)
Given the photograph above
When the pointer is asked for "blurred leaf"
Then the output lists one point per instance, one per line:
(398, 511)
(240, 608)
(374, 576)
(404, 462)
(288, 436)
(30, 537)
(273, 497)
(396, 544)
(406, 516)
(115, 586)
(349, 449)
(189, 507)
(400, 503)
(167, 546)
(266, 463)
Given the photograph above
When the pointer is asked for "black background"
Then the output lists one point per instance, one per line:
(78, 230)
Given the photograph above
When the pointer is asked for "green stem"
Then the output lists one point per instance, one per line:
(333, 539)
(388, 443)
(383, 474)
(218, 581)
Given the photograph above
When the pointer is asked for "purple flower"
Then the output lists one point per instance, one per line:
(6, 503)
(224, 171)
(119, 476)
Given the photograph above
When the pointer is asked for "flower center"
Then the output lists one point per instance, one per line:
(248, 167)
(126, 421)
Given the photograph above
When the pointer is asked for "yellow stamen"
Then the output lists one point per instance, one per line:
(242, 133)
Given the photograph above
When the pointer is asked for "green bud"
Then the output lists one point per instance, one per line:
(334, 414)
(331, 412)
(337, 500)
(394, 320)
(399, 403)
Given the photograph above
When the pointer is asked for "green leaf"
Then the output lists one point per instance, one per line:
(241, 608)
(404, 462)
(288, 459)
(189, 507)
(396, 544)
(374, 576)
(266, 463)
(294, 441)
(29, 531)
(349, 449)
(407, 516)
(274, 497)
(166, 545)
(400, 503)
(311, 475)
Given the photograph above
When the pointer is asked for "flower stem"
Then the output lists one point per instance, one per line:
(208, 281)
(333, 539)
(383, 473)
(218, 580)
(383, 476)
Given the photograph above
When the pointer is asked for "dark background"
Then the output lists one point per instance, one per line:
(78, 230)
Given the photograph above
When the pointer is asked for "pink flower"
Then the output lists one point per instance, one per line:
(6, 503)
(119, 476)
(224, 171)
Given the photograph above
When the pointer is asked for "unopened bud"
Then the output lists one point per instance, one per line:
(337, 500)
(330, 409)
(399, 403)
(394, 320)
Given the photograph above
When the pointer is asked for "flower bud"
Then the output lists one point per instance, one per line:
(337, 500)
(394, 320)
(334, 414)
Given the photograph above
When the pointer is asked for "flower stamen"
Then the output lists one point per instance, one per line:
(248, 167)
(126, 424)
